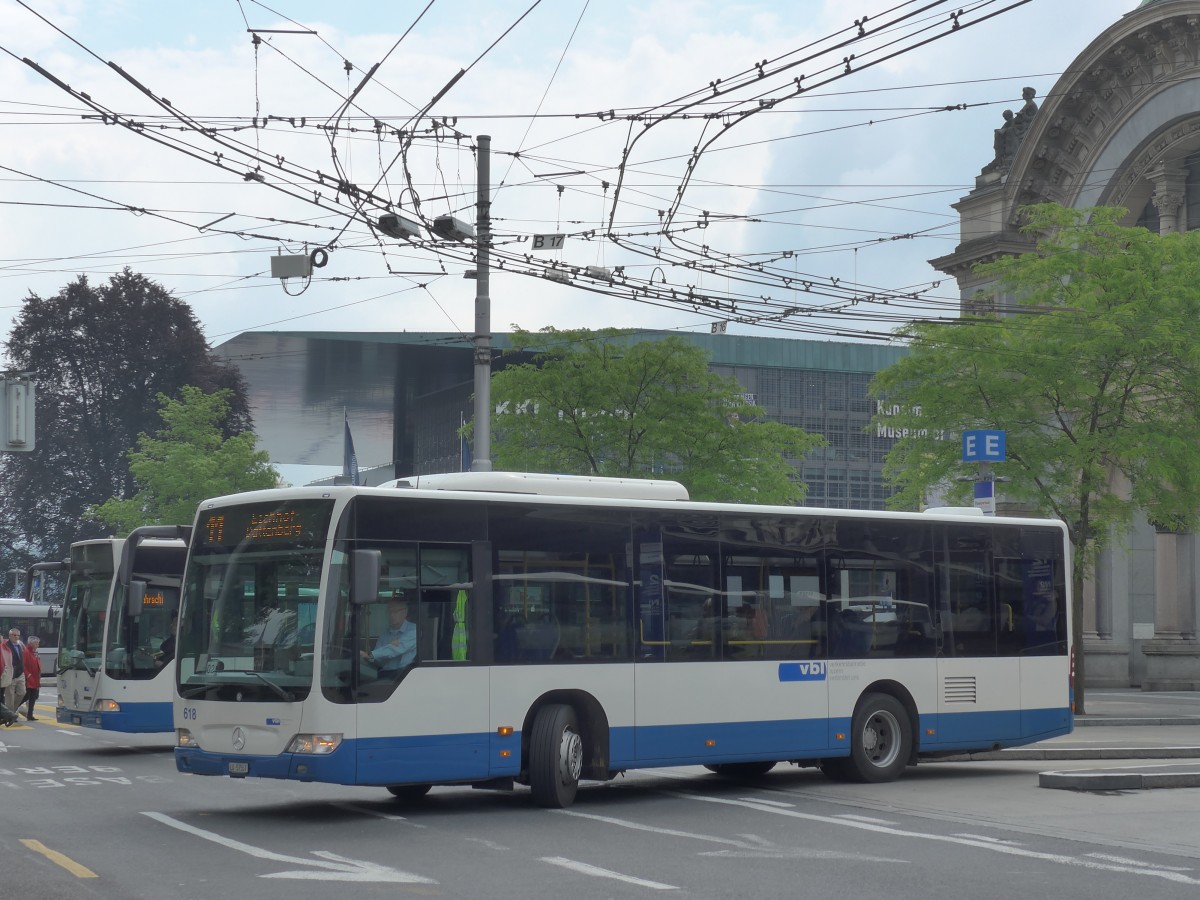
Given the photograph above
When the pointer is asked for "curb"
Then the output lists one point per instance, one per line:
(1080, 753)
(1118, 781)
(1084, 721)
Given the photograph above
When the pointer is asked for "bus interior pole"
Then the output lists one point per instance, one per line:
(481, 460)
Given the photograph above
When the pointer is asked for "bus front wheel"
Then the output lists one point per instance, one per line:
(555, 757)
(408, 792)
(880, 740)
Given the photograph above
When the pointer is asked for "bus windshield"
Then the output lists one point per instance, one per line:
(84, 611)
(249, 607)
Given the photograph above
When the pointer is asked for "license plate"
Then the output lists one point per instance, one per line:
(239, 768)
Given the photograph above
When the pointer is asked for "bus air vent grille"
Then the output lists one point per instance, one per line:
(959, 689)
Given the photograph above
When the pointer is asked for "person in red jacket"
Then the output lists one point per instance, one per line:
(33, 675)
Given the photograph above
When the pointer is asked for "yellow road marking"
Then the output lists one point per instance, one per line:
(79, 871)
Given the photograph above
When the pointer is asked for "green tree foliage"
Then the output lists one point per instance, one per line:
(189, 461)
(101, 355)
(601, 403)
(1094, 376)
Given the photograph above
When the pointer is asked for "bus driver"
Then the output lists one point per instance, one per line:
(396, 647)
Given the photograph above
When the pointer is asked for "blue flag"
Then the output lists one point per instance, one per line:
(349, 458)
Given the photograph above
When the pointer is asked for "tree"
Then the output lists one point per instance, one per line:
(599, 403)
(1094, 377)
(101, 355)
(188, 461)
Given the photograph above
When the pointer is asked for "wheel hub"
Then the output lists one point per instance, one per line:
(570, 756)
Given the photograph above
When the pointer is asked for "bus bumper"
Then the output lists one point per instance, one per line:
(334, 768)
(134, 718)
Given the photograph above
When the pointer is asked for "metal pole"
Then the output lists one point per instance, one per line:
(481, 453)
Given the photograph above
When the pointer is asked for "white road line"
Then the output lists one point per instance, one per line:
(367, 811)
(986, 837)
(585, 869)
(638, 826)
(771, 802)
(854, 818)
(330, 866)
(748, 849)
(1079, 862)
(1135, 862)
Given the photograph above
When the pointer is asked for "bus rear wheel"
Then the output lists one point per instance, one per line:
(880, 740)
(409, 792)
(742, 770)
(555, 757)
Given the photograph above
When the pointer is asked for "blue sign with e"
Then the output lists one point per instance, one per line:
(983, 446)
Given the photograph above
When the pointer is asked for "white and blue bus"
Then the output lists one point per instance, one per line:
(33, 617)
(116, 654)
(572, 628)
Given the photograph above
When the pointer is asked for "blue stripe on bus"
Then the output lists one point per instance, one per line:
(729, 741)
(1002, 728)
(134, 718)
(465, 758)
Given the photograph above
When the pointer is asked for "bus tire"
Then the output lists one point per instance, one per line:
(880, 740)
(409, 792)
(743, 769)
(555, 756)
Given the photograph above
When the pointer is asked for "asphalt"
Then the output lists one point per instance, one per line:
(1135, 740)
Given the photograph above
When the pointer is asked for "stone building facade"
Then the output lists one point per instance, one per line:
(1120, 128)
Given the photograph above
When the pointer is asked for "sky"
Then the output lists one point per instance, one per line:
(666, 140)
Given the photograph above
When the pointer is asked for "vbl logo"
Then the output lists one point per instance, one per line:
(802, 671)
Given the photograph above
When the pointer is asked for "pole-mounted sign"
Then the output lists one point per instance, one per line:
(984, 447)
(16, 412)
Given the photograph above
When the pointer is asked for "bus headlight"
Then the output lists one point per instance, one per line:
(315, 744)
(183, 738)
(107, 706)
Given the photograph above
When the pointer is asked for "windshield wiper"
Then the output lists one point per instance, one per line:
(278, 689)
(194, 692)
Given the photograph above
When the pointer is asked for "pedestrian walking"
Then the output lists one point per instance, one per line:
(33, 676)
(14, 693)
(7, 716)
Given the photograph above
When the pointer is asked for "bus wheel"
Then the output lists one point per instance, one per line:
(742, 770)
(555, 757)
(880, 739)
(409, 792)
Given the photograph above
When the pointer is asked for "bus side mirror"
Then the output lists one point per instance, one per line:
(136, 598)
(364, 588)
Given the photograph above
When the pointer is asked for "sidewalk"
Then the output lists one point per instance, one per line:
(1124, 725)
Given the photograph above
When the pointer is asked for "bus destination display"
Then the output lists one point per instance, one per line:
(297, 522)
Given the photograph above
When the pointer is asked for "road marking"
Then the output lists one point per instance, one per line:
(748, 849)
(336, 868)
(852, 818)
(1134, 862)
(585, 869)
(367, 811)
(1079, 862)
(638, 826)
(994, 840)
(771, 802)
(76, 869)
